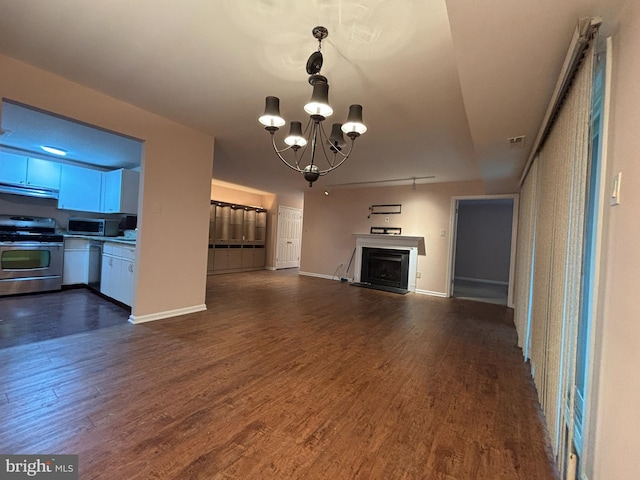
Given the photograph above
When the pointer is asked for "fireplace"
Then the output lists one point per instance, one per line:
(395, 243)
(385, 268)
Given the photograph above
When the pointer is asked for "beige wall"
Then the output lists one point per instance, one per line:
(330, 222)
(615, 454)
(241, 197)
(175, 186)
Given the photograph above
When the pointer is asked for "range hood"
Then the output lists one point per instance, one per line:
(27, 191)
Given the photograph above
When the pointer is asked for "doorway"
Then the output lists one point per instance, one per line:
(483, 248)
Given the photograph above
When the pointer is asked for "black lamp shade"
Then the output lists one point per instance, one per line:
(271, 116)
(336, 139)
(295, 135)
(354, 125)
(319, 103)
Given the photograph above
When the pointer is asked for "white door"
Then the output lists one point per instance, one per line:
(289, 236)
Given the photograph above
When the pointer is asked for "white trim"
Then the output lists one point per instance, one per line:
(590, 411)
(453, 228)
(415, 245)
(136, 319)
(319, 275)
(430, 293)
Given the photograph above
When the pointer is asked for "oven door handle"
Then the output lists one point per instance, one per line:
(18, 245)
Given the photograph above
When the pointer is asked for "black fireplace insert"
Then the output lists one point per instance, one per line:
(385, 268)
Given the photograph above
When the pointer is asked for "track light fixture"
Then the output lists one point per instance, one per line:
(314, 135)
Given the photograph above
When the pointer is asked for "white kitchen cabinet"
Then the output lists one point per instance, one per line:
(76, 261)
(34, 172)
(118, 270)
(13, 168)
(43, 173)
(120, 191)
(80, 189)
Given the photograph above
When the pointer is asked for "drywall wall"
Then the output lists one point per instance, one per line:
(331, 220)
(615, 448)
(171, 257)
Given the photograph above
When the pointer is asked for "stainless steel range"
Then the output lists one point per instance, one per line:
(31, 255)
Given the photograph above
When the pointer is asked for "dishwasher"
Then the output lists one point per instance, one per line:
(95, 265)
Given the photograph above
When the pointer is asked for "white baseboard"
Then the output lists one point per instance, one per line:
(135, 319)
(482, 280)
(319, 275)
(429, 292)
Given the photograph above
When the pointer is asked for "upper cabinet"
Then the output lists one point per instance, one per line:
(120, 191)
(89, 190)
(33, 172)
(43, 173)
(80, 189)
(13, 168)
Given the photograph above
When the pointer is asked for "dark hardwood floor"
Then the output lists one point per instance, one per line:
(43, 316)
(284, 377)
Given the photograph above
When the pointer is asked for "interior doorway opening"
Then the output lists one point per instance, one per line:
(483, 248)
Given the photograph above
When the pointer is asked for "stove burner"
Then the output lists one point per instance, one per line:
(28, 229)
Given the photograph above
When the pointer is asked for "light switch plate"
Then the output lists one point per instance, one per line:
(615, 189)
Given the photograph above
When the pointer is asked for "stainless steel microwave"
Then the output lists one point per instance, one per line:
(94, 226)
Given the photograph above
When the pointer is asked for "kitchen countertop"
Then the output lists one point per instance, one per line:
(123, 240)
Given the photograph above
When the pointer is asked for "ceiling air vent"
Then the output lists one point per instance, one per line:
(516, 142)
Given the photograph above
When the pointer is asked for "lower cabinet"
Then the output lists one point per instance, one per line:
(235, 258)
(117, 277)
(76, 261)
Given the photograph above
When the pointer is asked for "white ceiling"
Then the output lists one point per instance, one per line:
(27, 130)
(443, 83)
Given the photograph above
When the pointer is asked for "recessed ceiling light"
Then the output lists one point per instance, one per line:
(54, 150)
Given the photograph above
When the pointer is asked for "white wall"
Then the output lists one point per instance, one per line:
(617, 435)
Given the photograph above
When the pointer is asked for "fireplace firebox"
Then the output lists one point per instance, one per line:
(385, 268)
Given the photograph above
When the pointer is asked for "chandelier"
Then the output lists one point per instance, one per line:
(326, 149)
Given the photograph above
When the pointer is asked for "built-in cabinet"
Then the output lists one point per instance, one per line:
(120, 191)
(117, 276)
(76, 261)
(79, 188)
(114, 269)
(237, 236)
(89, 190)
(33, 172)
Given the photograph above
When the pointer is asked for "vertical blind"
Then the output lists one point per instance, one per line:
(524, 257)
(550, 249)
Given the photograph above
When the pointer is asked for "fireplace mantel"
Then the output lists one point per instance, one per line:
(415, 246)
